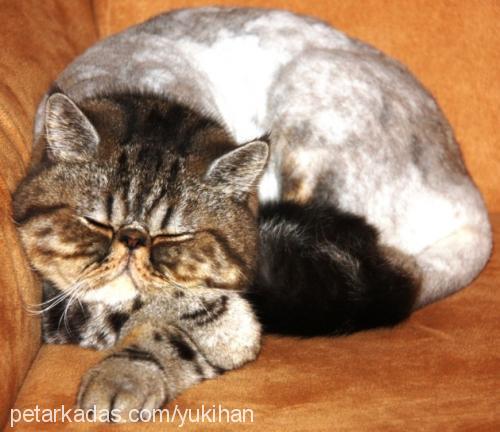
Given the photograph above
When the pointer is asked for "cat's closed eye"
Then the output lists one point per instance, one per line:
(97, 225)
(173, 238)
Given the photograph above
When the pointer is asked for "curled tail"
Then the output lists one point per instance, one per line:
(323, 271)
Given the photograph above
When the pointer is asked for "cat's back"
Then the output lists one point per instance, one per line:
(347, 124)
(210, 58)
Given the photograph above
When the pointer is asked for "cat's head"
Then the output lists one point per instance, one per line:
(134, 194)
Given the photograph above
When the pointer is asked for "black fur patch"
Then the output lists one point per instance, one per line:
(210, 312)
(183, 349)
(109, 206)
(134, 353)
(321, 271)
(138, 304)
(67, 329)
(117, 319)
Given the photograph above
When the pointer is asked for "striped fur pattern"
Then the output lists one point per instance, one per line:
(159, 172)
(140, 216)
(193, 337)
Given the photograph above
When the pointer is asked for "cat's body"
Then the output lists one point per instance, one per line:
(146, 161)
(347, 123)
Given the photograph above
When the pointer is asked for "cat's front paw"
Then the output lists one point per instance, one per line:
(118, 389)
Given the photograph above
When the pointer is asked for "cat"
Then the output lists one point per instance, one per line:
(214, 172)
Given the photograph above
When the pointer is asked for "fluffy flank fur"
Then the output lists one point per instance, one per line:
(323, 271)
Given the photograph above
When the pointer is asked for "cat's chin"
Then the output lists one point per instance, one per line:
(119, 290)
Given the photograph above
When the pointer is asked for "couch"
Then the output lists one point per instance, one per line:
(439, 370)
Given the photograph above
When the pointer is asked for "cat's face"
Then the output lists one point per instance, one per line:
(139, 195)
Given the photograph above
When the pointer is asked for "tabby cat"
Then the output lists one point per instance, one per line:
(215, 170)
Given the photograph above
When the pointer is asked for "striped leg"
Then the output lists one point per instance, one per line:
(168, 346)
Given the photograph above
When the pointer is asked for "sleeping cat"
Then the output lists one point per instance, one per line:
(215, 170)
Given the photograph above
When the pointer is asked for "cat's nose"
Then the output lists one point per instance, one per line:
(133, 238)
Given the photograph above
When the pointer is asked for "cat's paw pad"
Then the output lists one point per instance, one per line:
(122, 390)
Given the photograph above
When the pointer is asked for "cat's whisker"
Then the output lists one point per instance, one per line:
(200, 302)
(37, 309)
(64, 315)
(66, 294)
(70, 295)
(46, 302)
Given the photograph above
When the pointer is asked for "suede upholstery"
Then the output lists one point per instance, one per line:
(440, 370)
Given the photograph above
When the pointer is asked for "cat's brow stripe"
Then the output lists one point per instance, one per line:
(149, 174)
(129, 125)
(123, 173)
(158, 199)
(166, 218)
(36, 211)
(109, 206)
(174, 170)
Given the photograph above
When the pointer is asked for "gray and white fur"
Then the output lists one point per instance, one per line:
(346, 121)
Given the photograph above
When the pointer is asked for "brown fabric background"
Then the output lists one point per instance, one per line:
(438, 371)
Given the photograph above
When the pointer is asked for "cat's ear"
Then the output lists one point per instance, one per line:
(69, 133)
(238, 171)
